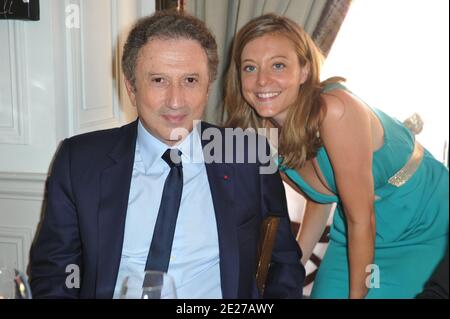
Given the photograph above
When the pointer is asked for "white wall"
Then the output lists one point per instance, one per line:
(55, 82)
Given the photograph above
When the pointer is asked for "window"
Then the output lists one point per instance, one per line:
(395, 56)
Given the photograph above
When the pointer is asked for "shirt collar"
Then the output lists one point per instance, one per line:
(151, 149)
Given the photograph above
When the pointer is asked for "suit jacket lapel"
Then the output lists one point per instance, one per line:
(115, 184)
(220, 177)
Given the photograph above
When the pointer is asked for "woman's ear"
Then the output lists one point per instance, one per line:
(304, 73)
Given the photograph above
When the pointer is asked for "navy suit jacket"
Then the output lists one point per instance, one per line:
(86, 205)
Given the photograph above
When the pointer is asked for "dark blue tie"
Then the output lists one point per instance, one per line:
(161, 246)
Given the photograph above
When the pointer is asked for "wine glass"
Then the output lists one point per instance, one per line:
(155, 285)
(13, 284)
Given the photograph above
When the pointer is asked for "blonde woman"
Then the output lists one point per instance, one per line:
(390, 226)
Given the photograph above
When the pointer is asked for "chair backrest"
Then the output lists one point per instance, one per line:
(266, 244)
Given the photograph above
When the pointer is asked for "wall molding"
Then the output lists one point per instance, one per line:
(22, 186)
(19, 238)
(84, 116)
(18, 131)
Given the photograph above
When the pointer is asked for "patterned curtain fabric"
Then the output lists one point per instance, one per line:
(329, 24)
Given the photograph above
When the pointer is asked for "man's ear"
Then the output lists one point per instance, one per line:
(131, 92)
(209, 90)
(304, 73)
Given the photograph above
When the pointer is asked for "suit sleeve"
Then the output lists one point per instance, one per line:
(286, 273)
(57, 246)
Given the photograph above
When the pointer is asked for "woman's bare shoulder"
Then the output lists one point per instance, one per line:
(340, 105)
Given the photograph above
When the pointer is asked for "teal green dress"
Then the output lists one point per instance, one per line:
(411, 220)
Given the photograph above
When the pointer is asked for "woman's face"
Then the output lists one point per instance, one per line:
(271, 75)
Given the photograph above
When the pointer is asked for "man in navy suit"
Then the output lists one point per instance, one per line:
(108, 190)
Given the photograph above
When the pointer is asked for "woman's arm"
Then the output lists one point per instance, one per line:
(315, 217)
(314, 221)
(347, 136)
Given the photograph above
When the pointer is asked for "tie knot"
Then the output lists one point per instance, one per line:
(172, 157)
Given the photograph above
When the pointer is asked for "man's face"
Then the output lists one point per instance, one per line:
(172, 84)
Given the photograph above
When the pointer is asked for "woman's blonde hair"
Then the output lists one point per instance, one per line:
(299, 138)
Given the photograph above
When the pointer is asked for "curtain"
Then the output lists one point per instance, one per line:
(226, 17)
(329, 24)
